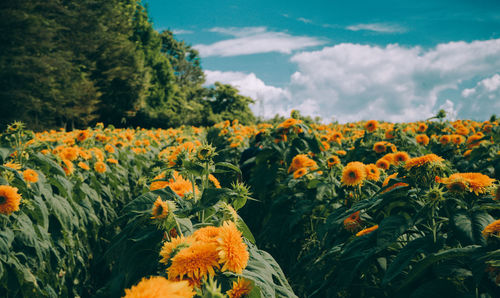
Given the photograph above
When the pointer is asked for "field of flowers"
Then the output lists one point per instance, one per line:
(290, 209)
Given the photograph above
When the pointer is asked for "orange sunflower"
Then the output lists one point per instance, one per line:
(401, 157)
(353, 174)
(240, 288)
(195, 262)
(371, 125)
(30, 175)
(160, 287)
(100, 167)
(299, 173)
(422, 139)
(379, 147)
(333, 160)
(176, 243)
(423, 160)
(160, 209)
(9, 199)
(232, 251)
(353, 222)
(372, 172)
(492, 229)
(474, 182)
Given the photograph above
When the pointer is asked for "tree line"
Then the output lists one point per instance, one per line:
(73, 63)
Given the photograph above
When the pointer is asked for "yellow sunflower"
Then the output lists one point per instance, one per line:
(492, 229)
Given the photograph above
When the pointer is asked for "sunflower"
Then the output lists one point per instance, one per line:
(196, 262)
(492, 229)
(371, 125)
(422, 127)
(207, 234)
(386, 182)
(68, 167)
(302, 161)
(30, 175)
(379, 147)
(160, 209)
(353, 222)
(70, 153)
(82, 135)
(231, 250)
(474, 182)
(12, 165)
(175, 244)
(372, 172)
(423, 160)
(112, 160)
(333, 160)
(367, 231)
(84, 166)
(389, 133)
(401, 157)
(341, 152)
(299, 173)
(383, 164)
(9, 199)
(160, 287)
(289, 122)
(214, 180)
(240, 288)
(109, 148)
(353, 174)
(444, 139)
(100, 167)
(422, 139)
(457, 139)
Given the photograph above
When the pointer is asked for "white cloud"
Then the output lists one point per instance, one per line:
(484, 98)
(270, 100)
(395, 83)
(182, 31)
(254, 40)
(351, 82)
(304, 20)
(377, 27)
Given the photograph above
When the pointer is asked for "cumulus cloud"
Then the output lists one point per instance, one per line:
(484, 97)
(254, 40)
(352, 81)
(378, 27)
(182, 31)
(270, 100)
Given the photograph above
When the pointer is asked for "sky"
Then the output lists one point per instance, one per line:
(347, 60)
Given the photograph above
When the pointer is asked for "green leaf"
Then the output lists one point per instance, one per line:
(228, 166)
(468, 226)
(390, 228)
(243, 228)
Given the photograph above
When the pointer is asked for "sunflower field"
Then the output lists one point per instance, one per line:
(290, 209)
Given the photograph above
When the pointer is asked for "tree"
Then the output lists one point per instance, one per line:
(226, 102)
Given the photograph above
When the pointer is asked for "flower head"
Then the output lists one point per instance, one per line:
(353, 222)
(371, 125)
(160, 287)
(423, 160)
(240, 288)
(299, 173)
(100, 167)
(231, 249)
(160, 209)
(492, 229)
(354, 174)
(30, 175)
(194, 262)
(9, 199)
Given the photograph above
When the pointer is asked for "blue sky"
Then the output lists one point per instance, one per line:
(347, 61)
